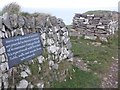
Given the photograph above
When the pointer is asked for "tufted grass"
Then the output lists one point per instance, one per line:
(102, 54)
(84, 50)
(80, 79)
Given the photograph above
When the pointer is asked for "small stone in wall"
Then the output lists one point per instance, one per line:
(2, 58)
(1, 43)
(4, 66)
(0, 83)
(40, 59)
(71, 59)
(23, 74)
(51, 63)
(1, 74)
(43, 36)
(2, 50)
(5, 80)
(27, 70)
(39, 69)
(40, 85)
(23, 84)
(90, 37)
(103, 39)
(55, 66)
(30, 85)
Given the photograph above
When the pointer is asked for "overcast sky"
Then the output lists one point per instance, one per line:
(64, 9)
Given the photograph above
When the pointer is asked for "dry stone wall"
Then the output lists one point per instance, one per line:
(56, 47)
(92, 26)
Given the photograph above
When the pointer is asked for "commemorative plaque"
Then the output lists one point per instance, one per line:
(22, 48)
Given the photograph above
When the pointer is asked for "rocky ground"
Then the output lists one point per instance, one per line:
(110, 78)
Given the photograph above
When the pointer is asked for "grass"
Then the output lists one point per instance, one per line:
(84, 49)
(102, 54)
(80, 79)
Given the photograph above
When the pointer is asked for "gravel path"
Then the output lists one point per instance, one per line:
(110, 78)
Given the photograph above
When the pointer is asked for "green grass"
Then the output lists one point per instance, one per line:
(102, 54)
(80, 79)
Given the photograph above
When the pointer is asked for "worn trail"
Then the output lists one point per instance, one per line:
(110, 78)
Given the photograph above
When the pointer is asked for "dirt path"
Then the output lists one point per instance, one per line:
(110, 78)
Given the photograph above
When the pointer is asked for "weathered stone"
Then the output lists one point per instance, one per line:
(50, 41)
(13, 20)
(68, 44)
(27, 70)
(55, 66)
(2, 50)
(2, 58)
(69, 54)
(4, 66)
(40, 59)
(53, 20)
(40, 85)
(51, 63)
(0, 83)
(64, 29)
(21, 21)
(1, 34)
(71, 59)
(23, 74)
(1, 74)
(30, 85)
(66, 40)
(90, 37)
(6, 21)
(103, 39)
(65, 34)
(60, 22)
(56, 29)
(5, 80)
(23, 84)
(1, 23)
(52, 49)
(43, 36)
(39, 69)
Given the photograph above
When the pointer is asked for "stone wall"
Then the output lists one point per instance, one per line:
(56, 48)
(92, 26)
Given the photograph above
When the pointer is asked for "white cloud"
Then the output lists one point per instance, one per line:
(62, 3)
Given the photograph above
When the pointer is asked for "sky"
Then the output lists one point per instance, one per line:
(64, 9)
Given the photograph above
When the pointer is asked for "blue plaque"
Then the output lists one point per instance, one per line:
(22, 48)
